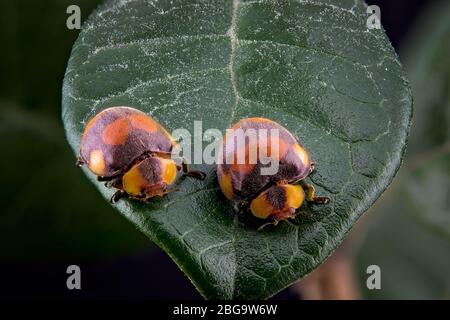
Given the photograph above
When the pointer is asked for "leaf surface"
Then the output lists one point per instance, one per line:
(312, 66)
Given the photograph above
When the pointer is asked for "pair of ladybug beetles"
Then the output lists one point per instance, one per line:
(131, 152)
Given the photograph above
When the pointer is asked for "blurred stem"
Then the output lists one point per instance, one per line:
(333, 280)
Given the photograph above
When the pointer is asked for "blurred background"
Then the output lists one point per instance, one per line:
(52, 216)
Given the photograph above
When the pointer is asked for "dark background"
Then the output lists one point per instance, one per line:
(53, 216)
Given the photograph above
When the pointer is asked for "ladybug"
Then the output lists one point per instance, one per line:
(130, 151)
(268, 196)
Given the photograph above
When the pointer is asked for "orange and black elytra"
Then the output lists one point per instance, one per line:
(130, 151)
(274, 197)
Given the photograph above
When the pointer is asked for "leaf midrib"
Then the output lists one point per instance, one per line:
(233, 42)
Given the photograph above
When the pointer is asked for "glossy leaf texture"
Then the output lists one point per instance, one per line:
(312, 66)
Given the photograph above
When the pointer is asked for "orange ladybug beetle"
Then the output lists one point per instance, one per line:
(130, 151)
(271, 196)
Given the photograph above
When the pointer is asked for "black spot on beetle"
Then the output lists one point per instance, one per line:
(276, 196)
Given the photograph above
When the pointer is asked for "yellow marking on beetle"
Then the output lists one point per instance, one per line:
(134, 181)
(97, 162)
(168, 170)
(295, 195)
(225, 184)
(260, 207)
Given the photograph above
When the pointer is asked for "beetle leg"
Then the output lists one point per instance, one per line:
(158, 190)
(109, 184)
(184, 166)
(273, 223)
(162, 154)
(283, 216)
(196, 174)
(297, 181)
(166, 191)
(104, 179)
(116, 183)
(169, 191)
(79, 162)
(310, 194)
(283, 182)
(312, 166)
(117, 196)
(241, 206)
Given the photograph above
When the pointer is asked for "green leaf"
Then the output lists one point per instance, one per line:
(48, 210)
(311, 66)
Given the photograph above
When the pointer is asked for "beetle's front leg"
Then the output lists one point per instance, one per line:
(117, 196)
(241, 207)
(167, 191)
(105, 179)
(271, 223)
(79, 163)
(114, 183)
(195, 174)
(310, 192)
